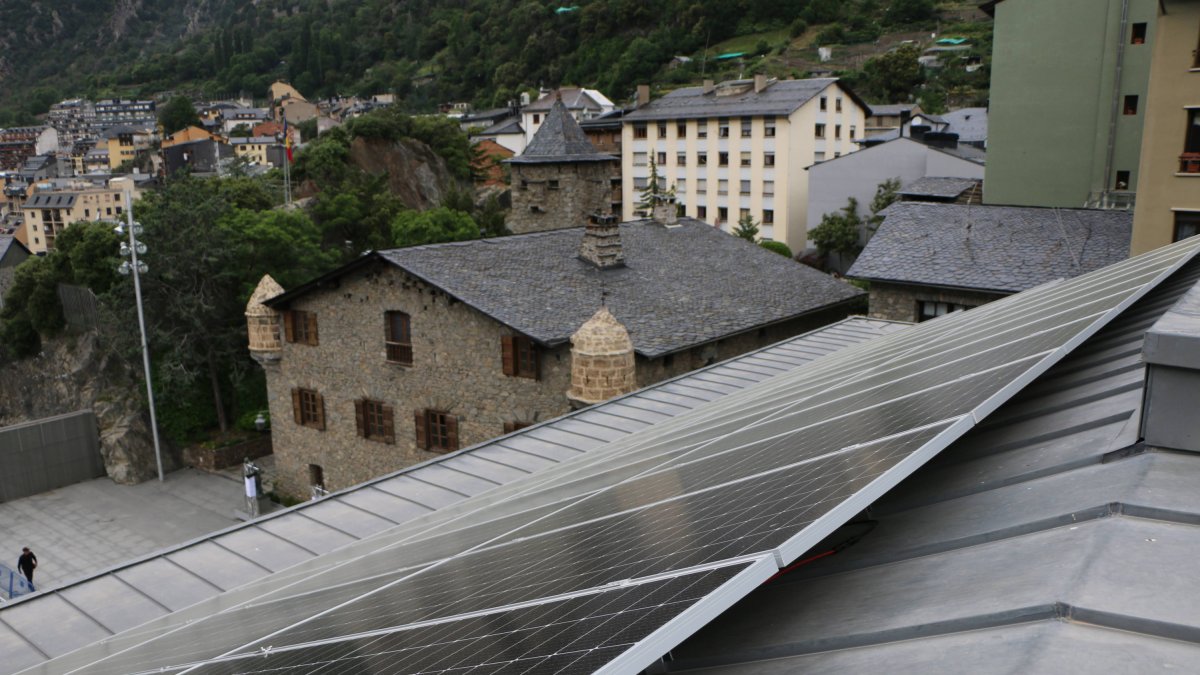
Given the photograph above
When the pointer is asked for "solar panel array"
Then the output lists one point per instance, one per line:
(606, 562)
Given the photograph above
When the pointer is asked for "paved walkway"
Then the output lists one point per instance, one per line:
(83, 528)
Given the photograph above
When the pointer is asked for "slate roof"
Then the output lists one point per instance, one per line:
(890, 109)
(780, 98)
(967, 152)
(1046, 540)
(560, 140)
(937, 187)
(50, 200)
(536, 284)
(50, 624)
(991, 248)
(510, 125)
(10, 243)
(574, 98)
(971, 124)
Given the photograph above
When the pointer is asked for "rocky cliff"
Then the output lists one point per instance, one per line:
(416, 174)
(74, 373)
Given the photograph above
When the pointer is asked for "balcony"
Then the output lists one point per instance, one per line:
(1189, 162)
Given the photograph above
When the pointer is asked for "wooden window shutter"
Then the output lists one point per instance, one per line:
(508, 354)
(320, 411)
(289, 325)
(312, 328)
(389, 424)
(360, 418)
(419, 424)
(296, 407)
(451, 433)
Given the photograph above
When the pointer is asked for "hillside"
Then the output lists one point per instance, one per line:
(430, 51)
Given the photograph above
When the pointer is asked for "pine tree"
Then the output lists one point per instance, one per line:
(653, 191)
(746, 228)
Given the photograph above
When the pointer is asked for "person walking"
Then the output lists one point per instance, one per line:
(27, 563)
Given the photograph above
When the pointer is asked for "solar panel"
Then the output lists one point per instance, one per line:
(738, 488)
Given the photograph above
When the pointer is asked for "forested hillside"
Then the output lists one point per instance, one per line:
(426, 51)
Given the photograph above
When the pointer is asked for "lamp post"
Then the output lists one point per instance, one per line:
(131, 250)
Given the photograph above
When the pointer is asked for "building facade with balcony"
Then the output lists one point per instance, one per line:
(741, 147)
(1168, 207)
(50, 209)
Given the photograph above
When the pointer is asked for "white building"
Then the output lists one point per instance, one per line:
(741, 147)
(583, 104)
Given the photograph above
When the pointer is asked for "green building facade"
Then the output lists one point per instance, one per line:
(1068, 98)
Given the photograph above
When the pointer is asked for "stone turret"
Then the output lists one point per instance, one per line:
(602, 242)
(262, 322)
(602, 361)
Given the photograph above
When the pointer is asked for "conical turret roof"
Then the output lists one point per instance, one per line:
(267, 288)
(559, 140)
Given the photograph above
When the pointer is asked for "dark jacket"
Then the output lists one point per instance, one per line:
(27, 562)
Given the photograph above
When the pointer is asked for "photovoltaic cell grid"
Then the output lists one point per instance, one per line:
(767, 472)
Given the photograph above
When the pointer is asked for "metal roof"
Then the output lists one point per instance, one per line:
(1046, 540)
(47, 625)
(779, 98)
(993, 248)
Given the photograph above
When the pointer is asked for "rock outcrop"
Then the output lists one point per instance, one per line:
(416, 174)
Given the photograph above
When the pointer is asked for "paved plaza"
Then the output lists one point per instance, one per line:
(81, 529)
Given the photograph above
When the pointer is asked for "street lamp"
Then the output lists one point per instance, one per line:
(131, 250)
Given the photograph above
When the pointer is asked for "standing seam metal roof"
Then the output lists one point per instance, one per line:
(781, 98)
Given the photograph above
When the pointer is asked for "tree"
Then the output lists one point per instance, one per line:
(414, 228)
(746, 228)
(778, 247)
(653, 191)
(242, 130)
(894, 76)
(838, 231)
(885, 196)
(178, 113)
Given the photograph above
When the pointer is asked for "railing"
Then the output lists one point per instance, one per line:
(1189, 162)
(13, 584)
(1116, 200)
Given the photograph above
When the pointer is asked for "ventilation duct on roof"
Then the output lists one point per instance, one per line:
(1172, 356)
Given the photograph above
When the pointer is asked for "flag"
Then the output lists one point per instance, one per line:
(287, 140)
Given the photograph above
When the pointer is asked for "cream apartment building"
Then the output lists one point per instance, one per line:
(741, 147)
(51, 208)
(1168, 200)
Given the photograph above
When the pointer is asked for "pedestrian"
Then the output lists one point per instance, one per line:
(27, 563)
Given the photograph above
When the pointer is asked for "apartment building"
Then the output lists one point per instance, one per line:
(112, 112)
(741, 147)
(52, 207)
(1168, 205)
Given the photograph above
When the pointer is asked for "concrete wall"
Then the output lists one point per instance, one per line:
(1174, 88)
(49, 453)
(583, 188)
(899, 302)
(1053, 66)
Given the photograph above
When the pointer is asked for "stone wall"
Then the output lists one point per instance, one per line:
(899, 302)
(583, 188)
(456, 368)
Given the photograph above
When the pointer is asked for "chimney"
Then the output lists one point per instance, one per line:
(664, 211)
(643, 95)
(905, 118)
(1172, 355)
(709, 86)
(602, 242)
(760, 83)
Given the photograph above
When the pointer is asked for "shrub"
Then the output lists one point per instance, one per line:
(778, 247)
(797, 28)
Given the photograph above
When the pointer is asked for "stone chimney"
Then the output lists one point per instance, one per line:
(760, 83)
(602, 361)
(643, 95)
(664, 210)
(709, 86)
(602, 242)
(262, 322)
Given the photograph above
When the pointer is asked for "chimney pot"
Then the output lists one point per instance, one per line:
(601, 244)
(643, 95)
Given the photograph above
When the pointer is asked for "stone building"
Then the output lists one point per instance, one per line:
(928, 259)
(404, 354)
(560, 178)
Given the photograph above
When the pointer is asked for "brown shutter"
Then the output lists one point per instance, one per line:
(312, 328)
(451, 433)
(360, 418)
(296, 406)
(389, 424)
(508, 354)
(289, 325)
(419, 424)
(320, 411)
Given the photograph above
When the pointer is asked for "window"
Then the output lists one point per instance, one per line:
(743, 213)
(640, 182)
(723, 127)
(681, 158)
(662, 130)
(722, 214)
(837, 131)
(769, 159)
(768, 216)
(928, 309)
(722, 187)
(300, 327)
(639, 131)
(661, 158)
(316, 477)
(851, 132)
(702, 129)
(376, 421)
(722, 159)
(308, 408)
(837, 104)
(552, 185)
(398, 338)
(1137, 36)
(1130, 107)
(1189, 161)
(1122, 182)
(745, 159)
(1187, 224)
(820, 131)
(768, 188)
(701, 184)
(681, 130)
(702, 158)
(701, 212)
(537, 119)
(769, 126)
(640, 159)
(519, 356)
(818, 157)
(436, 430)
(747, 126)
(745, 187)
(824, 104)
